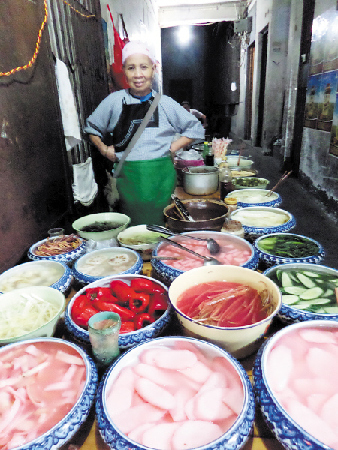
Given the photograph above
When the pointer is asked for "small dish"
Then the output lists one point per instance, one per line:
(66, 256)
(140, 239)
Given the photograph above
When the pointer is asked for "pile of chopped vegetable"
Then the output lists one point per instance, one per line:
(308, 290)
(24, 314)
(138, 304)
(288, 246)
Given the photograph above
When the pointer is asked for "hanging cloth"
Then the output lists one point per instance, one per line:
(116, 69)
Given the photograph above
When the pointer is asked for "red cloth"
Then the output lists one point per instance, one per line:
(116, 70)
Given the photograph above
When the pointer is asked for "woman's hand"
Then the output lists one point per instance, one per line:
(105, 150)
(109, 153)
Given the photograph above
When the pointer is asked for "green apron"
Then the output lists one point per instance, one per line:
(145, 189)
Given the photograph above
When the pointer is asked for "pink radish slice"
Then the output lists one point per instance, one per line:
(136, 416)
(154, 394)
(159, 376)
(175, 359)
(182, 397)
(159, 436)
(137, 433)
(199, 372)
(210, 406)
(192, 434)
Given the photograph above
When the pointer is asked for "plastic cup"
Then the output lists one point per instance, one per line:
(104, 330)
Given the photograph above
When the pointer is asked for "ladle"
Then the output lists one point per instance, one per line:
(212, 245)
(208, 261)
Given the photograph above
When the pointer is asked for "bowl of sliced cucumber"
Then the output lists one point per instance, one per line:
(309, 291)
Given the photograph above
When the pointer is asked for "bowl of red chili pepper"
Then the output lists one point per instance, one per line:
(227, 305)
(141, 302)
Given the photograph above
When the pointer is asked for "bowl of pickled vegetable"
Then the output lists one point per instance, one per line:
(63, 248)
(255, 197)
(101, 226)
(295, 384)
(141, 302)
(30, 312)
(250, 183)
(175, 393)
(309, 291)
(282, 248)
(230, 306)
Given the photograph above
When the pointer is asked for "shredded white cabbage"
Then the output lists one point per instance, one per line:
(25, 314)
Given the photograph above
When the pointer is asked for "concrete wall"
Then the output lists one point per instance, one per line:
(316, 162)
(274, 14)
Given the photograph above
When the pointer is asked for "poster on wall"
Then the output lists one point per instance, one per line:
(326, 100)
(312, 101)
(334, 130)
(330, 42)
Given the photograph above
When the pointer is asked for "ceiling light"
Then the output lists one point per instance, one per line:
(184, 35)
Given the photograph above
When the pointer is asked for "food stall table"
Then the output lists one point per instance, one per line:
(88, 437)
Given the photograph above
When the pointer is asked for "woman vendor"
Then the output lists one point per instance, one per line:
(148, 176)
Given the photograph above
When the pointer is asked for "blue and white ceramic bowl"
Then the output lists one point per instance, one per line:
(286, 429)
(37, 273)
(233, 439)
(126, 340)
(106, 262)
(167, 273)
(269, 259)
(260, 220)
(66, 257)
(66, 428)
(290, 313)
(255, 197)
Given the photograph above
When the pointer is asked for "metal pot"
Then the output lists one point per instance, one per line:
(200, 180)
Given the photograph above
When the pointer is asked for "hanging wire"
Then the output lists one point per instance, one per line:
(38, 42)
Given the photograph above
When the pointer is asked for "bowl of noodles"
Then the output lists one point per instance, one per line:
(230, 306)
(64, 248)
(30, 312)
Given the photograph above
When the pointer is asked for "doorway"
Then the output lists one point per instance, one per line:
(263, 39)
(249, 91)
(181, 90)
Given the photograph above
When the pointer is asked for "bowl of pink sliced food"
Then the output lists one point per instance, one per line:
(233, 251)
(47, 387)
(295, 382)
(175, 393)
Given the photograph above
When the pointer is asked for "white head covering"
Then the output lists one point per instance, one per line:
(133, 47)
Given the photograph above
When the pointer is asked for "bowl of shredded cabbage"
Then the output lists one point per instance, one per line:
(29, 312)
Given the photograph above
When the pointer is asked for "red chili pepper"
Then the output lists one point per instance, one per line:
(127, 327)
(142, 320)
(78, 305)
(121, 290)
(158, 302)
(82, 318)
(105, 294)
(138, 302)
(146, 286)
(91, 293)
(124, 313)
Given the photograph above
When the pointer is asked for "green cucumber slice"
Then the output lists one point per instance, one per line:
(295, 290)
(306, 281)
(302, 305)
(331, 309)
(286, 280)
(311, 293)
(311, 274)
(290, 299)
(319, 301)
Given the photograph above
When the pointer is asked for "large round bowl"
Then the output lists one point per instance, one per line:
(255, 197)
(20, 310)
(297, 281)
(207, 215)
(126, 340)
(118, 223)
(295, 383)
(238, 426)
(67, 257)
(140, 239)
(271, 259)
(239, 341)
(261, 220)
(37, 273)
(107, 262)
(167, 270)
(244, 162)
(63, 411)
